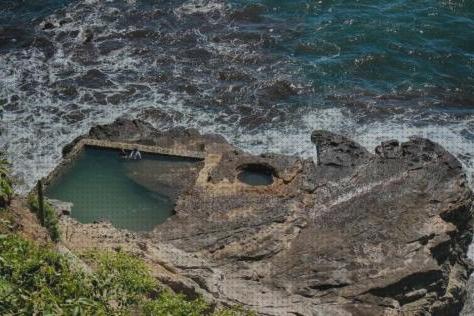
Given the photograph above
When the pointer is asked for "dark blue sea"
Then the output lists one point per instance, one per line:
(263, 73)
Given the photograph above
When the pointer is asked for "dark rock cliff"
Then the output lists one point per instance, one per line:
(356, 233)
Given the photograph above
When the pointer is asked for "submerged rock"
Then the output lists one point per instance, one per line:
(251, 13)
(94, 79)
(278, 90)
(357, 234)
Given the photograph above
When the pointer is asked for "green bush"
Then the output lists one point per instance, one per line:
(234, 311)
(39, 281)
(6, 187)
(50, 217)
(36, 280)
(171, 304)
(126, 278)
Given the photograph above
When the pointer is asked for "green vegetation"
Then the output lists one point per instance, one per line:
(6, 188)
(36, 280)
(172, 304)
(125, 278)
(50, 218)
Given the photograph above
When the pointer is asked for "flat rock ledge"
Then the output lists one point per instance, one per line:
(356, 233)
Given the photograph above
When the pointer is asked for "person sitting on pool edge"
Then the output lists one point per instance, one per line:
(135, 154)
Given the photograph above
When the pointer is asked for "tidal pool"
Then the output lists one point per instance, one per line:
(135, 195)
(256, 175)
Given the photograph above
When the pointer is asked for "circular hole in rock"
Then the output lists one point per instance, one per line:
(256, 174)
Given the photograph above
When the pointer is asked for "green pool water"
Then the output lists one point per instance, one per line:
(101, 185)
(256, 178)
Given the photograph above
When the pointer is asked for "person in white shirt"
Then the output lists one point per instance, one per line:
(135, 154)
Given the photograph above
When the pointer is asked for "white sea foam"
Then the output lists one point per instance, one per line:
(36, 130)
(201, 6)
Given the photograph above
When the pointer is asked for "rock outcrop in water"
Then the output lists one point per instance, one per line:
(355, 234)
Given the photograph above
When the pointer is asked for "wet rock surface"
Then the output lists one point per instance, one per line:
(355, 234)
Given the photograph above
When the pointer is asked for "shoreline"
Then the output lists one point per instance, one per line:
(220, 224)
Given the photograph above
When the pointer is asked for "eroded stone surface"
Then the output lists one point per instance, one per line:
(356, 234)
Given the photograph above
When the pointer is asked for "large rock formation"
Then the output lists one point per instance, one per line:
(354, 234)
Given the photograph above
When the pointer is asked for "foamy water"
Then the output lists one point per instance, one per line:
(211, 66)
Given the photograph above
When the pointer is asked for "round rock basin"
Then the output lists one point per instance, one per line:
(256, 175)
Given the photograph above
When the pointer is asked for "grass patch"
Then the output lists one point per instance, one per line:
(125, 278)
(39, 281)
(6, 186)
(169, 303)
(50, 217)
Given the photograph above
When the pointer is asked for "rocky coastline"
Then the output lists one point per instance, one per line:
(347, 233)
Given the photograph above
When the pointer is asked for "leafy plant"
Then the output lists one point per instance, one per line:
(6, 187)
(39, 281)
(171, 304)
(125, 278)
(4, 164)
(50, 217)
(234, 311)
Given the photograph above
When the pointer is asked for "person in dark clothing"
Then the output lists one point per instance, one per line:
(123, 153)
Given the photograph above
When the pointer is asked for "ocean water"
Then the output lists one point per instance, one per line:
(263, 73)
